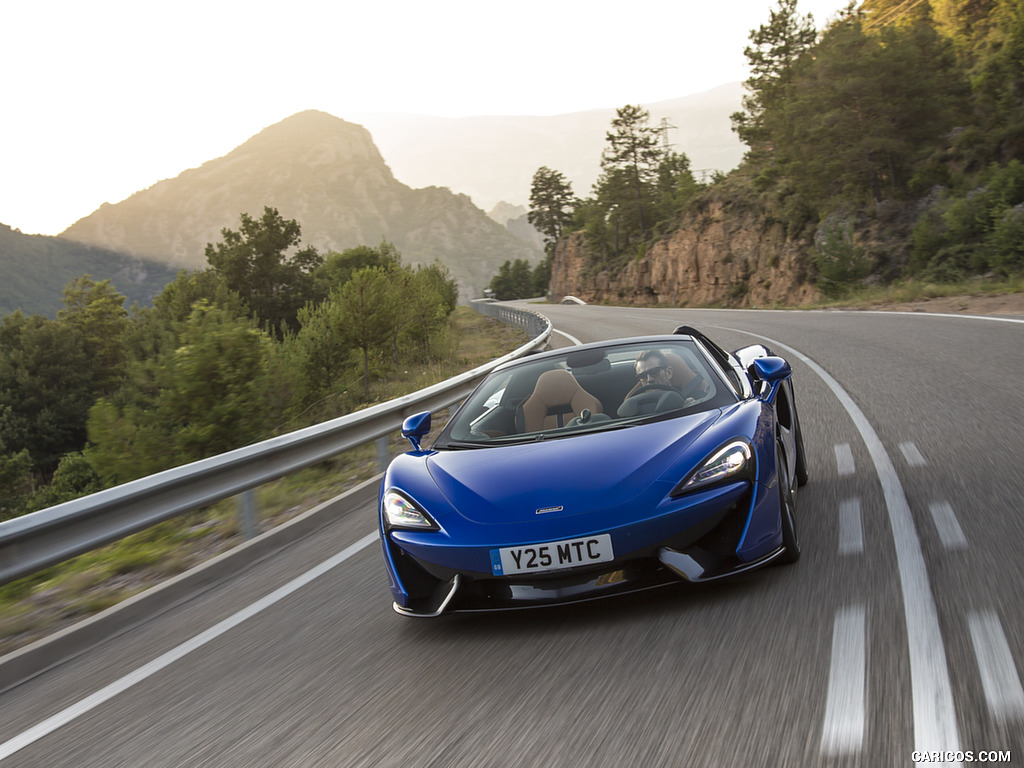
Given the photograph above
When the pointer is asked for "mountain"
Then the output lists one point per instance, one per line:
(35, 268)
(516, 219)
(493, 159)
(323, 172)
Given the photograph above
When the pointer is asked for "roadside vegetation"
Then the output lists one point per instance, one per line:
(903, 292)
(884, 178)
(41, 604)
(270, 338)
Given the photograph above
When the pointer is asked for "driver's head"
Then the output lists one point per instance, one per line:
(652, 368)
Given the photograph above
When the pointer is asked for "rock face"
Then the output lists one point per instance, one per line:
(717, 257)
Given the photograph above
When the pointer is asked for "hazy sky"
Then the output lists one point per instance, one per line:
(101, 99)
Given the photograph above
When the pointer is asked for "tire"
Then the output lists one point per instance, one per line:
(802, 475)
(787, 510)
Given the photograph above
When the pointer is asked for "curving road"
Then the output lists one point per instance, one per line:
(901, 629)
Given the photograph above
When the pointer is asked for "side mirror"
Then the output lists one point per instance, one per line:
(771, 370)
(415, 428)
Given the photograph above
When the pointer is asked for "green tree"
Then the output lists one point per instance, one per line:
(73, 478)
(46, 388)
(676, 185)
(175, 302)
(427, 300)
(854, 127)
(366, 314)
(337, 268)
(323, 352)
(627, 186)
(254, 263)
(95, 311)
(15, 481)
(551, 205)
(974, 232)
(997, 74)
(775, 48)
(214, 393)
(542, 276)
(203, 392)
(514, 281)
(841, 262)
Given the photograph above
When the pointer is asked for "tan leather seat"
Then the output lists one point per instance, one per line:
(682, 373)
(557, 398)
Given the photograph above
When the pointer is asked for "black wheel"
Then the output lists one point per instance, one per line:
(787, 509)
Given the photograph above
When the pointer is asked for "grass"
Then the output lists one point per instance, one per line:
(45, 602)
(907, 291)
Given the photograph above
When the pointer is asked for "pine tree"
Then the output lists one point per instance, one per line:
(551, 205)
(776, 47)
(627, 187)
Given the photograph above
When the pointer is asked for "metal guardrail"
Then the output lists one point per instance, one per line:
(37, 540)
(533, 323)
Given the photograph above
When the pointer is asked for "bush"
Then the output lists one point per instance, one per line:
(840, 262)
(1005, 246)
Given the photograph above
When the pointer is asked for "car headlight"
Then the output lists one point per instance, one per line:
(399, 512)
(731, 461)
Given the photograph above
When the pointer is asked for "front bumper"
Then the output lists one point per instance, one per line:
(702, 551)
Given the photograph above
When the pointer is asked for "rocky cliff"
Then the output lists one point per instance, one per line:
(721, 255)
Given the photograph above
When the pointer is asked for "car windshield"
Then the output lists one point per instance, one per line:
(587, 390)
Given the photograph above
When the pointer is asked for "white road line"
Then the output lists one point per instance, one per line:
(935, 727)
(851, 535)
(913, 455)
(990, 318)
(950, 533)
(844, 460)
(843, 730)
(575, 342)
(1003, 692)
(89, 703)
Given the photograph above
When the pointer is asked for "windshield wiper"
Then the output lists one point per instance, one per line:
(459, 445)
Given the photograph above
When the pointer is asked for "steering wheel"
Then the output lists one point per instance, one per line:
(652, 388)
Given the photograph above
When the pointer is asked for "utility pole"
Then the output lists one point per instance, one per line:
(666, 146)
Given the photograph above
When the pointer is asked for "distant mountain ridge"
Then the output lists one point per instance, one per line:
(492, 159)
(328, 175)
(35, 268)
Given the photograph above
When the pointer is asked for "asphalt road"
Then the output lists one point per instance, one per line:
(901, 629)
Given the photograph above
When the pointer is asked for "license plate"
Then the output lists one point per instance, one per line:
(552, 556)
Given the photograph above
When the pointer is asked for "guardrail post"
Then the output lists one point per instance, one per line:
(383, 452)
(247, 513)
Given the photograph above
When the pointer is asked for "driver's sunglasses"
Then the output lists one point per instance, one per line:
(651, 372)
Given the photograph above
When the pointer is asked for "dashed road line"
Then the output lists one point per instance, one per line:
(844, 460)
(950, 533)
(935, 723)
(851, 534)
(913, 455)
(1003, 692)
(843, 730)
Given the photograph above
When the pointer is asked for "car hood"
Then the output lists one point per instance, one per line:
(581, 474)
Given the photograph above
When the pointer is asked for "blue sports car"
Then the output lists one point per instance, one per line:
(593, 471)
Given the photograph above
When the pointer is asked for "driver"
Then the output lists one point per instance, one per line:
(652, 368)
(655, 390)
